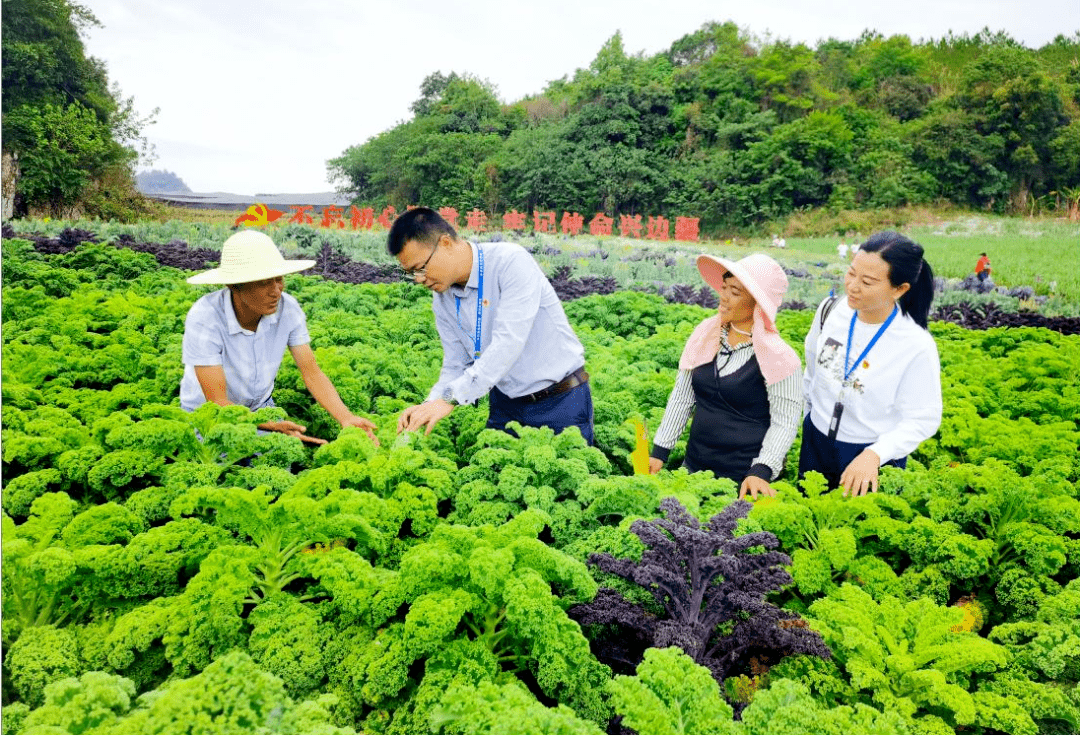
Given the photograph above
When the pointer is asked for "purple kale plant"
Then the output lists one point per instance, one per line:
(568, 289)
(712, 587)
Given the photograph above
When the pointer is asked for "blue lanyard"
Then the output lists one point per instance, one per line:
(479, 305)
(866, 351)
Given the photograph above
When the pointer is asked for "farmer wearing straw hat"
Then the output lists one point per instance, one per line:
(234, 338)
(738, 378)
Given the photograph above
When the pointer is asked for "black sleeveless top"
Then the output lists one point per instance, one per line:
(730, 420)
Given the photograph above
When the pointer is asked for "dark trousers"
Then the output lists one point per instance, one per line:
(830, 458)
(572, 408)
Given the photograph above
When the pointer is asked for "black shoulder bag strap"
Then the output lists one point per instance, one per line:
(827, 309)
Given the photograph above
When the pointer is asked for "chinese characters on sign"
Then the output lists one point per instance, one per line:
(476, 220)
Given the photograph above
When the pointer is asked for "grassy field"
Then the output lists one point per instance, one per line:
(1044, 254)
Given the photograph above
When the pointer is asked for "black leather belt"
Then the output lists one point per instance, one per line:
(575, 379)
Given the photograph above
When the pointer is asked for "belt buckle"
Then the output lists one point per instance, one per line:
(543, 393)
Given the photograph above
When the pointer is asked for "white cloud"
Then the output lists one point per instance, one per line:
(256, 96)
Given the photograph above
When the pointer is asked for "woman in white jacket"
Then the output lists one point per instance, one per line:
(873, 378)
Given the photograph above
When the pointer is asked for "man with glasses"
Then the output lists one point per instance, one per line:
(502, 327)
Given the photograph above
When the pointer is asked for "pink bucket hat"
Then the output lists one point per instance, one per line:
(766, 281)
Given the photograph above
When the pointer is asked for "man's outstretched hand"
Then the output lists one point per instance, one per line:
(427, 415)
(365, 424)
(292, 429)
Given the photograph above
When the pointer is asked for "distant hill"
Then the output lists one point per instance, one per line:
(157, 182)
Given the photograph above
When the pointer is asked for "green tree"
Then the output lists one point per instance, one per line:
(714, 91)
(881, 58)
(60, 117)
(1016, 105)
(738, 131)
(462, 103)
(904, 97)
(797, 165)
(607, 153)
(372, 171)
(44, 60)
(708, 183)
(617, 138)
(437, 158)
(881, 171)
(62, 148)
(836, 60)
(539, 167)
(888, 73)
(470, 106)
(712, 39)
(431, 91)
(417, 163)
(1065, 153)
(952, 54)
(784, 80)
(961, 162)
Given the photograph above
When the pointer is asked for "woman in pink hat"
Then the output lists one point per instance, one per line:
(235, 337)
(738, 378)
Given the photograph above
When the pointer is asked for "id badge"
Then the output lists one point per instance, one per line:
(834, 423)
(837, 412)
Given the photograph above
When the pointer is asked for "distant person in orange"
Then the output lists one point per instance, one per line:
(982, 268)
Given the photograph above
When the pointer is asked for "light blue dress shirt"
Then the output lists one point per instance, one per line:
(251, 359)
(527, 343)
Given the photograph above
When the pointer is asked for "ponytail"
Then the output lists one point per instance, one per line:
(916, 300)
(906, 266)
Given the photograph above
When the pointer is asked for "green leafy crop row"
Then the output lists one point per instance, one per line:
(243, 583)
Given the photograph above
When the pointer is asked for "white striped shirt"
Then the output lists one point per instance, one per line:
(785, 407)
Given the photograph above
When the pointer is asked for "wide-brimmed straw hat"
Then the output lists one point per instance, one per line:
(760, 275)
(248, 256)
(766, 281)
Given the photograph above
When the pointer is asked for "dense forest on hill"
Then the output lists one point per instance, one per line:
(740, 131)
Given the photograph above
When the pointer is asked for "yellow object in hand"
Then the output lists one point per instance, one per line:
(640, 456)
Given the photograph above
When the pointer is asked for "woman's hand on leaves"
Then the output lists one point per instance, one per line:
(754, 485)
(861, 475)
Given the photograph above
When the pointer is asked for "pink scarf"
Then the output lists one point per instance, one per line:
(776, 358)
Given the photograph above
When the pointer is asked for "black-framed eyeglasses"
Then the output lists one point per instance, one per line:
(411, 274)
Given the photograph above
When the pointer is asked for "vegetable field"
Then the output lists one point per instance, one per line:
(474, 582)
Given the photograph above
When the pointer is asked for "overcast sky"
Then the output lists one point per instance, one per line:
(254, 97)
